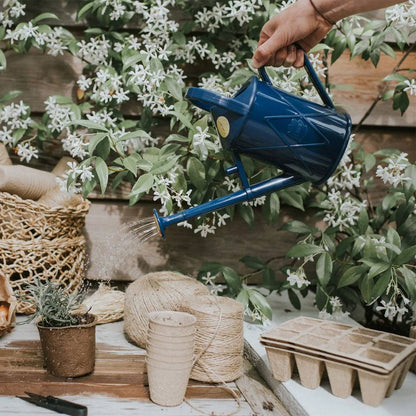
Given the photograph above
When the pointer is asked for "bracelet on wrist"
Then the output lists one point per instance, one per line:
(321, 14)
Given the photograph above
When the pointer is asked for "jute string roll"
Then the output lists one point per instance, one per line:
(219, 341)
(154, 292)
(219, 322)
(28, 183)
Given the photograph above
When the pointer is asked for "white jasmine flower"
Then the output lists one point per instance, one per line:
(298, 278)
(411, 86)
(205, 229)
(26, 152)
(393, 173)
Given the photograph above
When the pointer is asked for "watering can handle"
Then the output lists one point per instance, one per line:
(207, 99)
(313, 76)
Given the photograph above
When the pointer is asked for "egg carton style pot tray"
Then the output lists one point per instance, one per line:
(379, 351)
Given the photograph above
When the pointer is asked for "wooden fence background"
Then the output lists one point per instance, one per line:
(39, 76)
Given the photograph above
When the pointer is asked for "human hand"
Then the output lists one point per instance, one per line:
(300, 24)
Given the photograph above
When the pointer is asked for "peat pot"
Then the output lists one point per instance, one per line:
(69, 351)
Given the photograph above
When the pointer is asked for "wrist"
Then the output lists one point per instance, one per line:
(320, 14)
(334, 10)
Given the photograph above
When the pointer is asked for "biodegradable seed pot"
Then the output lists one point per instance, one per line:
(69, 351)
(67, 336)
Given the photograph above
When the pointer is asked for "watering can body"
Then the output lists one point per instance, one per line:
(305, 140)
(300, 137)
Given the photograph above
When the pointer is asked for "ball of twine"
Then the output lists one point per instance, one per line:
(156, 292)
(106, 303)
(219, 340)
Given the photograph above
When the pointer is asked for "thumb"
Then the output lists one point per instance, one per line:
(267, 49)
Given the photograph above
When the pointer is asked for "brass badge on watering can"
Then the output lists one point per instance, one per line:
(223, 126)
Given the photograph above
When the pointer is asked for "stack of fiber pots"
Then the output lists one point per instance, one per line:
(40, 238)
(170, 350)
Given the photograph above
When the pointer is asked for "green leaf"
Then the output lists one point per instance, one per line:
(321, 298)
(162, 167)
(395, 77)
(363, 221)
(102, 173)
(366, 288)
(304, 250)
(381, 284)
(130, 164)
(388, 50)
(257, 299)
(94, 141)
(243, 298)
(44, 16)
(9, 96)
(377, 269)
(393, 237)
(324, 269)
(410, 281)
(174, 87)
(339, 48)
(269, 280)
(292, 198)
(84, 9)
(295, 226)
(247, 213)
(89, 124)
(253, 262)
(272, 208)
(232, 278)
(351, 276)
(143, 184)
(3, 62)
(294, 300)
(406, 256)
(103, 148)
(196, 172)
(369, 162)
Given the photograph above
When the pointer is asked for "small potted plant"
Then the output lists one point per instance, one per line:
(67, 336)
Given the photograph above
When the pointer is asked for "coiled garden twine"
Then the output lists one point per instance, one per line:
(219, 340)
(156, 292)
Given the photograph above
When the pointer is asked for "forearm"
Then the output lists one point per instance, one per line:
(335, 10)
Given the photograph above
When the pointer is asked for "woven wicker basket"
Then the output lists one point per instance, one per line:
(60, 260)
(25, 219)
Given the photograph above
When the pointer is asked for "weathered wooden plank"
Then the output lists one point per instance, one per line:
(257, 393)
(365, 82)
(39, 76)
(66, 10)
(104, 391)
(115, 255)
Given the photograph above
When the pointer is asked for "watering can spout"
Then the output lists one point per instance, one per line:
(246, 194)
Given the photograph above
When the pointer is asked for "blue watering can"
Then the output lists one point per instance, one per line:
(303, 139)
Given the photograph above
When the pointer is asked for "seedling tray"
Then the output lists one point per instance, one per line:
(373, 349)
(380, 361)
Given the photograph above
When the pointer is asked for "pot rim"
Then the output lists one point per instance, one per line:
(90, 324)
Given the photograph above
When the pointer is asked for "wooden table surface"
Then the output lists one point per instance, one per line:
(118, 386)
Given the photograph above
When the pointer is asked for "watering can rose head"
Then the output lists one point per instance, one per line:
(305, 140)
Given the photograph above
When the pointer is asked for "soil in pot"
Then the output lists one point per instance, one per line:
(69, 351)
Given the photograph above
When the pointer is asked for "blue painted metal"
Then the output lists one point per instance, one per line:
(304, 139)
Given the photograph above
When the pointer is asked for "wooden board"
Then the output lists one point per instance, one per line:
(182, 250)
(117, 386)
(364, 83)
(118, 372)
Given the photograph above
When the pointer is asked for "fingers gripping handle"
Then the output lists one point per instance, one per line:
(313, 76)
